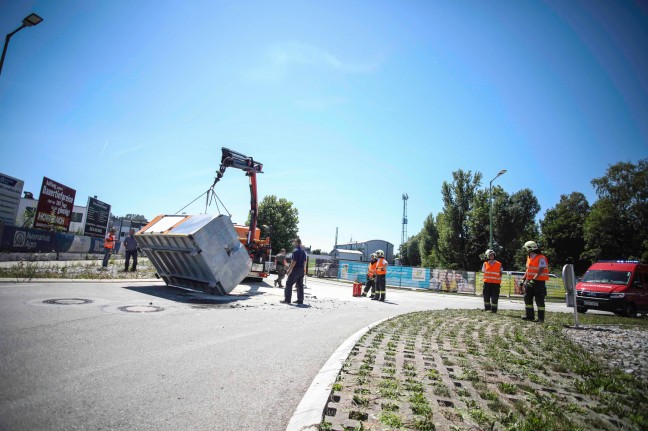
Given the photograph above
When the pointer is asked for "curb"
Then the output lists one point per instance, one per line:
(308, 414)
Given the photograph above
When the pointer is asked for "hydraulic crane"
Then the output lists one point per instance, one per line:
(258, 249)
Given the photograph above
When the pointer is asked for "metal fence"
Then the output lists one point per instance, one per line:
(441, 280)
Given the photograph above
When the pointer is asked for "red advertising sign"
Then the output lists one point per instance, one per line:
(55, 205)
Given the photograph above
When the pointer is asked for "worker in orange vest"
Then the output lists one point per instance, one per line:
(534, 284)
(381, 276)
(109, 245)
(492, 270)
(371, 277)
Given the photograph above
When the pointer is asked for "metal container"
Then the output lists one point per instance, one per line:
(199, 252)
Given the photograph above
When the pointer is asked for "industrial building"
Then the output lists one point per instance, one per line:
(368, 247)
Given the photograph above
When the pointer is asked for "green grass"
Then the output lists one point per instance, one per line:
(496, 388)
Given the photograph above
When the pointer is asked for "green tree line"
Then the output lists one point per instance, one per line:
(613, 227)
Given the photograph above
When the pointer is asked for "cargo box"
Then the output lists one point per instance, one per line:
(198, 252)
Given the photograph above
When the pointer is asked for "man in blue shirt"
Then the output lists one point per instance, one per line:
(296, 274)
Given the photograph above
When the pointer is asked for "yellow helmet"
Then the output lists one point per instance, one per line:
(530, 246)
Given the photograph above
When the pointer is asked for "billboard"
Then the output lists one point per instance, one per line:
(55, 205)
(10, 192)
(96, 218)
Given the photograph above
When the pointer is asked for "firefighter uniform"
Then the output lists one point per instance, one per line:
(535, 285)
(371, 278)
(492, 270)
(381, 278)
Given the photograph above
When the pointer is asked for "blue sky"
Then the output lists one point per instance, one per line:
(347, 104)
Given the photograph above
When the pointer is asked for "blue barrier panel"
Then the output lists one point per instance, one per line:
(349, 270)
(20, 240)
(407, 276)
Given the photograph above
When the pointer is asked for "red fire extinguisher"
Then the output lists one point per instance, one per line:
(357, 288)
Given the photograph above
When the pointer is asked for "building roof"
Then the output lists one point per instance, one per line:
(337, 250)
(362, 242)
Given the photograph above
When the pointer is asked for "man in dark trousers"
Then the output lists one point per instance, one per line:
(296, 274)
(130, 245)
(534, 284)
(109, 245)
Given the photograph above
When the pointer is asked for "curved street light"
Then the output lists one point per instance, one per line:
(490, 217)
(29, 21)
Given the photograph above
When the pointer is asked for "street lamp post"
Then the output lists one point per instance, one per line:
(490, 197)
(29, 21)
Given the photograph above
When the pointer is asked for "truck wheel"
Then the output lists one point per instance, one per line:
(581, 309)
(631, 310)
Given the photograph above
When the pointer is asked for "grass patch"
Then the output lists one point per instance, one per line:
(504, 371)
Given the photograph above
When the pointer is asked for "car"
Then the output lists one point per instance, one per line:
(618, 286)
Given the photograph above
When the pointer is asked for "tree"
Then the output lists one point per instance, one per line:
(317, 251)
(563, 231)
(455, 236)
(278, 219)
(617, 225)
(413, 253)
(429, 242)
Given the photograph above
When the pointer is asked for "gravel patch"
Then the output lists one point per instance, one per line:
(623, 348)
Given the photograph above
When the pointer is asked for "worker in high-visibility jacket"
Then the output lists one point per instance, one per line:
(109, 245)
(534, 284)
(492, 270)
(381, 276)
(371, 277)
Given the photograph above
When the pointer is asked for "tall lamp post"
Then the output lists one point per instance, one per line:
(490, 194)
(29, 21)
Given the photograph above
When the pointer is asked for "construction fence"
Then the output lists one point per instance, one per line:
(439, 280)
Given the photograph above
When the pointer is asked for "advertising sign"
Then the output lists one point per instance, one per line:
(55, 205)
(16, 239)
(10, 192)
(96, 218)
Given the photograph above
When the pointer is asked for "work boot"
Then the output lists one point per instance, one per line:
(541, 315)
(364, 294)
(494, 309)
(487, 306)
(275, 283)
(375, 298)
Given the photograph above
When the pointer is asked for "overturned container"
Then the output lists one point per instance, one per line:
(199, 252)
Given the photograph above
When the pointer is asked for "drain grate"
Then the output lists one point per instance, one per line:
(140, 308)
(68, 301)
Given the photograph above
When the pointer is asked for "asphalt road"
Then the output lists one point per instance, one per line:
(241, 362)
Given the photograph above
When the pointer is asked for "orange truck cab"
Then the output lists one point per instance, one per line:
(259, 251)
(617, 286)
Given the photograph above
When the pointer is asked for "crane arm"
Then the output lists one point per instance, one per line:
(234, 159)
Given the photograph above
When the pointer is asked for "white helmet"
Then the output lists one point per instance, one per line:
(530, 246)
(488, 252)
(373, 255)
(380, 253)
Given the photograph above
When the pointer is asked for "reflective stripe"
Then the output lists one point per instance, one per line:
(381, 266)
(492, 273)
(533, 268)
(372, 268)
(541, 308)
(528, 306)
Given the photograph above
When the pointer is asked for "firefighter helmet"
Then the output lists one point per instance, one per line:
(380, 253)
(373, 255)
(530, 246)
(488, 252)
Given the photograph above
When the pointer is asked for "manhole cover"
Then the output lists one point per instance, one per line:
(68, 301)
(141, 309)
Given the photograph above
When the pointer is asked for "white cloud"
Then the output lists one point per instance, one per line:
(280, 58)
